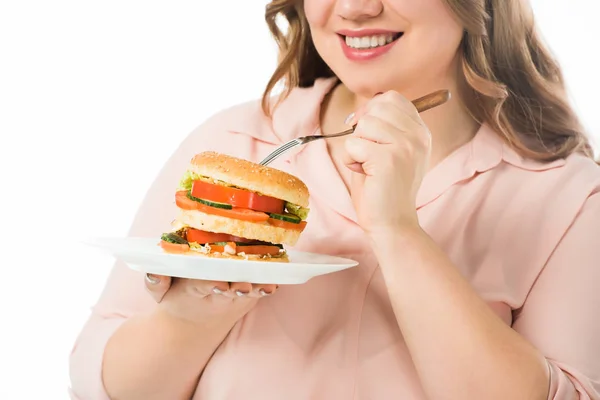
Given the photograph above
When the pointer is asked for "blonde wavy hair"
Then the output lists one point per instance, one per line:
(512, 82)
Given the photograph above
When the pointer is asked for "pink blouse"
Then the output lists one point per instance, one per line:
(526, 235)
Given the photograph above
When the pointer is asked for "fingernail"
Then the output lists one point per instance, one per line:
(349, 118)
(216, 290)
(240, 293)
(152, 280)
(263, 293)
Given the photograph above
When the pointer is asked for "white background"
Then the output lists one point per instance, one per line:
(94, 97)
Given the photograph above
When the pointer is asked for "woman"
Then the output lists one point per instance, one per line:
(474, 224)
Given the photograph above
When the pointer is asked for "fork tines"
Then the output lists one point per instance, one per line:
(285, 147)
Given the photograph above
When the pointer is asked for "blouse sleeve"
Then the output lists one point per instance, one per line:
(124, 294)
(561, 316)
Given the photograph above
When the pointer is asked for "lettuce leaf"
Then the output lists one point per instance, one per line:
(294, 209)
(186, 181)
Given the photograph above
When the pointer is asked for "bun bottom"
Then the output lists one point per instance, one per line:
(250, 230)
(283, 258)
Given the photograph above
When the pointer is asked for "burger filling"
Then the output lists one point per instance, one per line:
(218, 198)
(214, 190)
(187, 239)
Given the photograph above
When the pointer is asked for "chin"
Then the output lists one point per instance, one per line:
(368, 88)
(411, 83)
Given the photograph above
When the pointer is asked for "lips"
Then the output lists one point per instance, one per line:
(367, 44)
(371, 41)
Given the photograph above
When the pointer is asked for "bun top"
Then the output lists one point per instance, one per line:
(245, 174)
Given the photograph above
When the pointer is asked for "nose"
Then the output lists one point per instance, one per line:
(354, 10)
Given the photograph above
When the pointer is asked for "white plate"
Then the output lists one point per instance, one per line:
(143, 254)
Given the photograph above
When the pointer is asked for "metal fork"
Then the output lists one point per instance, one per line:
(421, 104)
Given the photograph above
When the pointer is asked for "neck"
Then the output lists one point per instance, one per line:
(451, 125)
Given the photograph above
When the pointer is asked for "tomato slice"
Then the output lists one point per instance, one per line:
(203, 237)
(217, 248)
(246, 215)
(236, 197)
(287, 225)
(259, 250)
(173, 247)
(185, 203)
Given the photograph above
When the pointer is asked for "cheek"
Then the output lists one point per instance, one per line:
(432, 15)
(317, 12)
(433, 27)
(419, 9)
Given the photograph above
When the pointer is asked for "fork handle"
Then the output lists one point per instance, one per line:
(431, 100)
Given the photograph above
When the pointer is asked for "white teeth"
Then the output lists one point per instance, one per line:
(369, 42)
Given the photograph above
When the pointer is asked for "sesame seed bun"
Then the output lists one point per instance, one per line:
(250, 176)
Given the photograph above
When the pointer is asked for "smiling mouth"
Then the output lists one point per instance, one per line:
(371, 42)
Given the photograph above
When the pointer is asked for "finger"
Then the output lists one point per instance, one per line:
(350, 158)
(363, 152)
(360, 150)
(404, 105)
(394, 115)
(398, 107)
(207, 288)
(157, 286)
(350, 162)
(353, 118)
(376, 130)
(356, 167)
(263, 290)
(241, 289)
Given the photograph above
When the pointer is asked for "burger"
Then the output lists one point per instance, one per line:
(233, 208)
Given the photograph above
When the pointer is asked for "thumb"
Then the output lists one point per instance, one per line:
(157, 286)
(357, 183)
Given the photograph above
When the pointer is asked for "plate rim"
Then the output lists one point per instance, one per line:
(96, 242)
